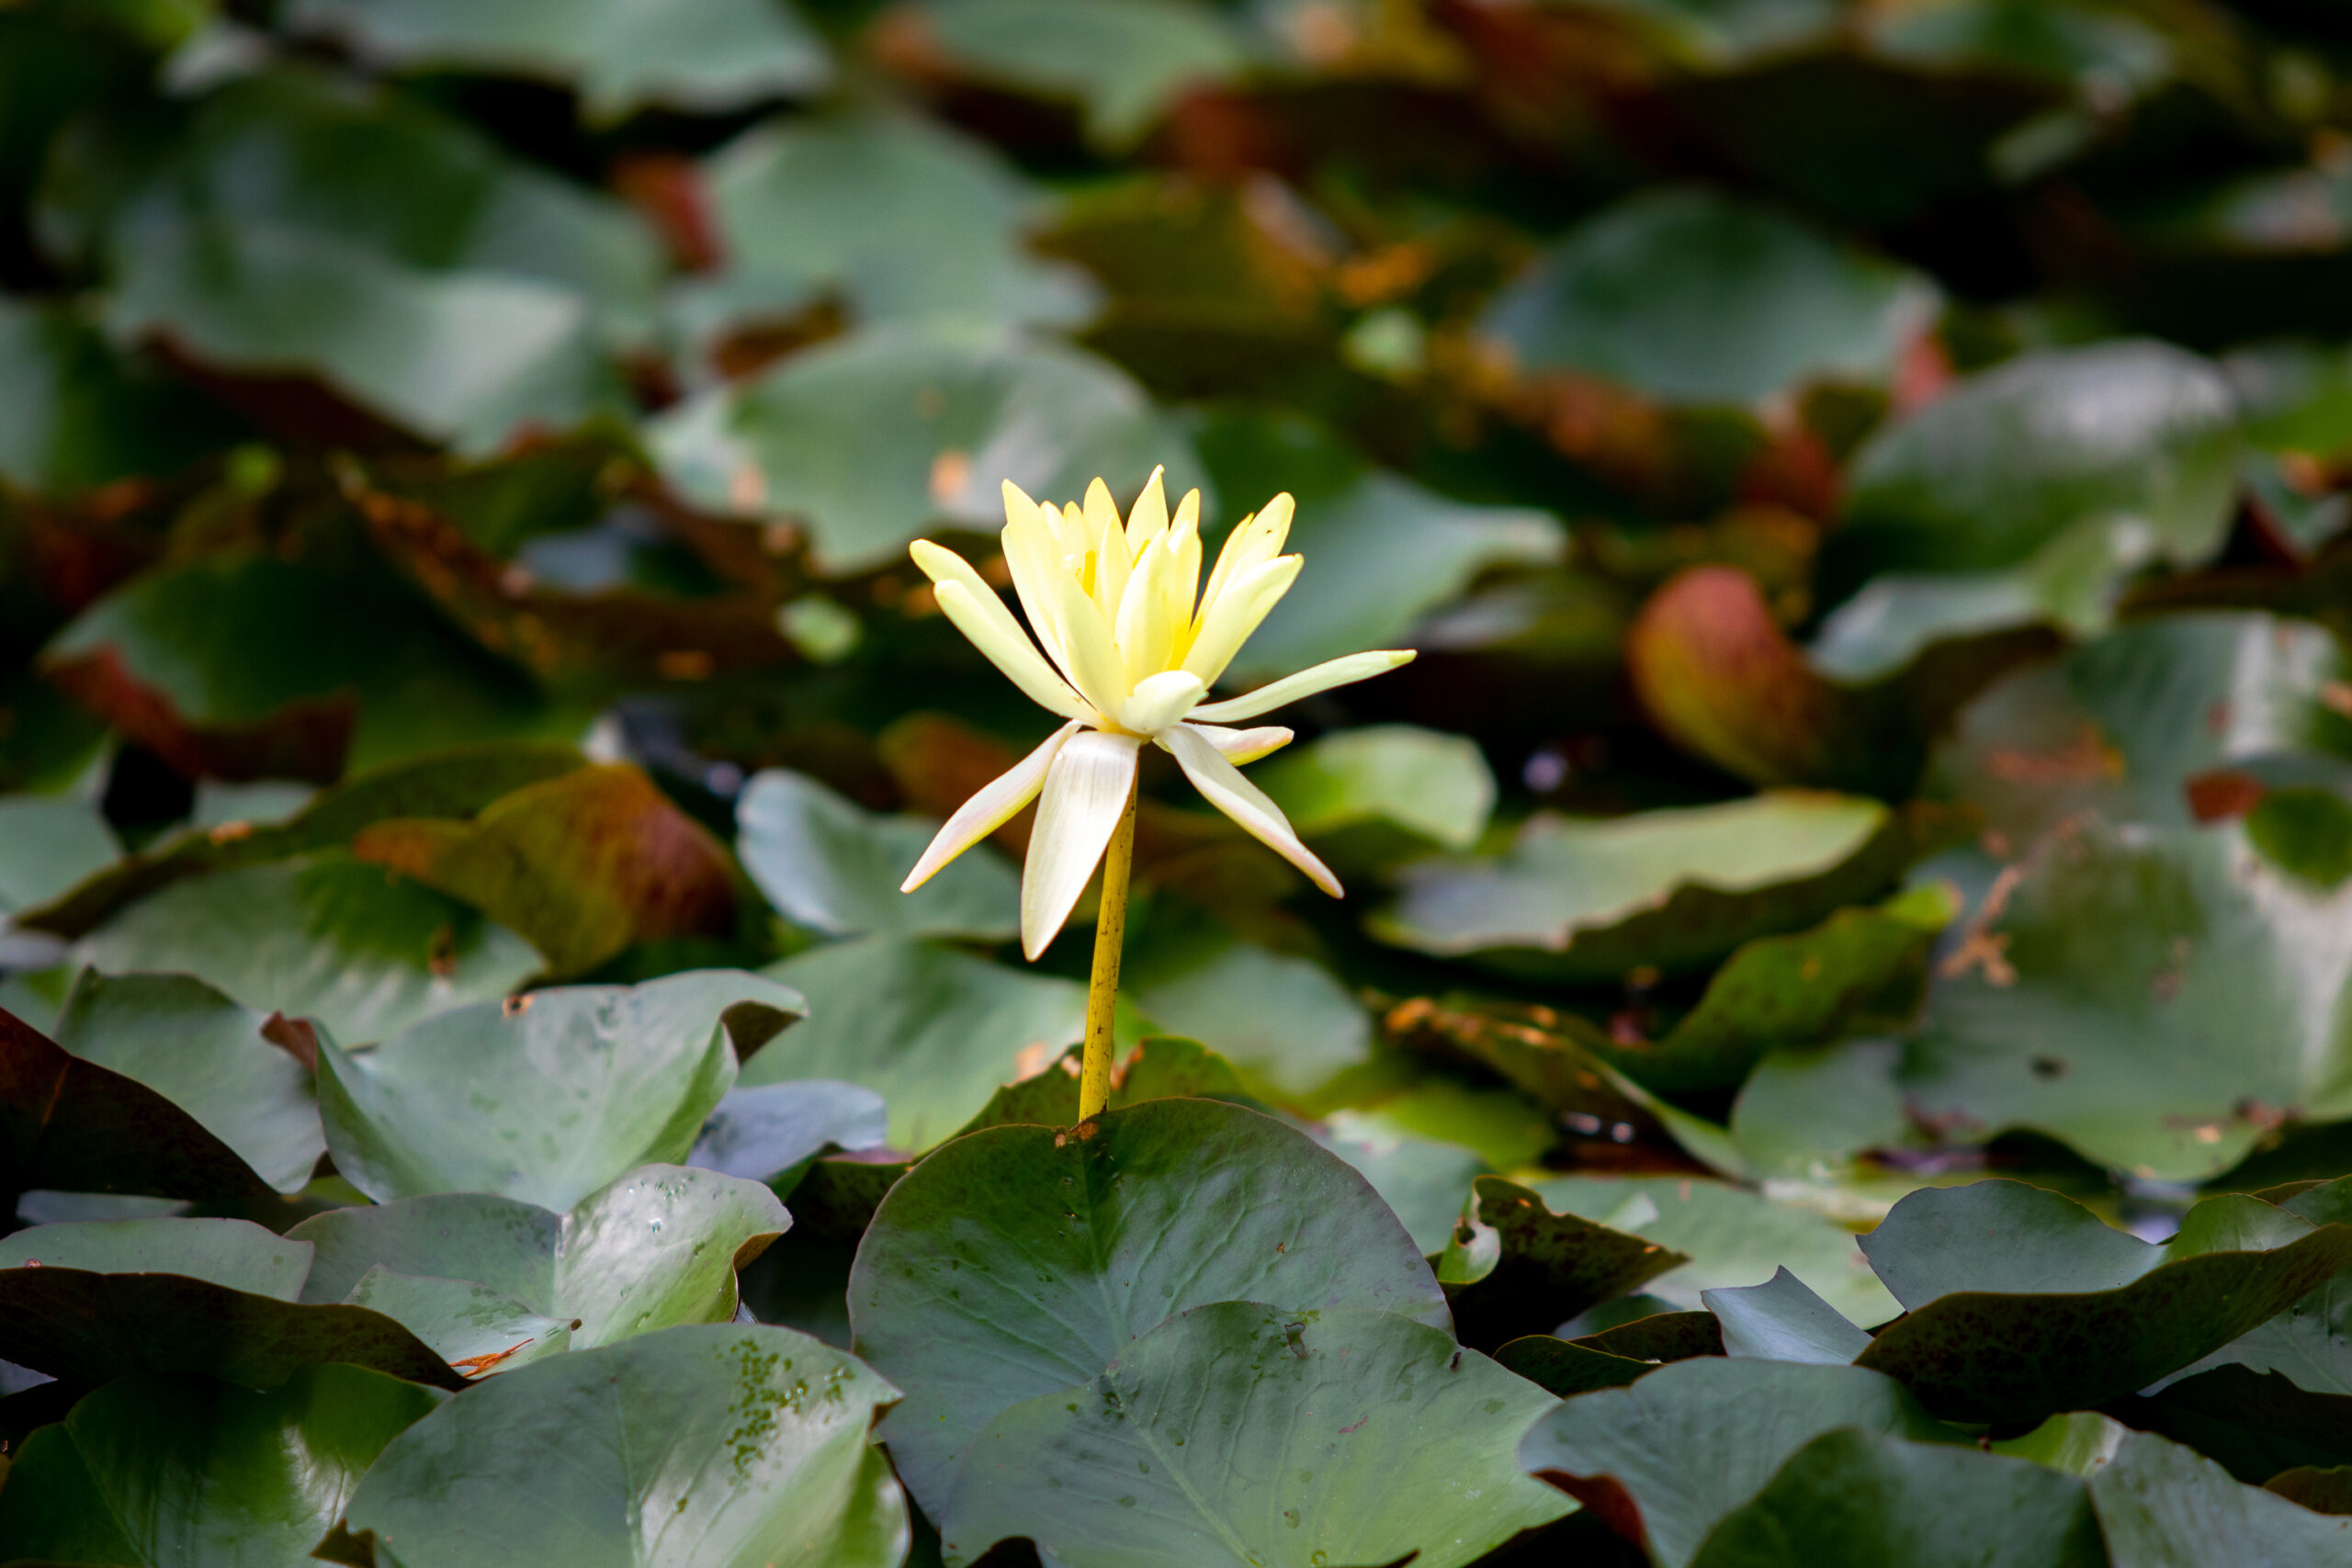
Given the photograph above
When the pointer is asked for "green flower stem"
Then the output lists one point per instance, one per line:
(1103, 985)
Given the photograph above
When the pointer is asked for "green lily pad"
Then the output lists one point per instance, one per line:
(934, 1031)
(1146, 1213)
(400, 257)
(1783, 1320)
(2116, 959)
(622, 54)
(453, 783)
(550, 1096)
(48, 842)
(211, 1058)
(761, 1133)
(1667, 1457)
(1514, 1268)
(1674, 889)
(832, 866)
(73, 1127)
(719, 1444)
(159, 1469)
(1423, 1181)
(584, 865)
(360, 951)
(1854, 1498)
(1433, 789)
(79, 414)
(241, 666)
(2311, 1342)
(872, 440)
(1386, 553)
(2023, 1304)
(2102, 730)
(93, 1300)
(2028, 492)
(2161, 1505)
(471, 1327)
(1733, 1238)
(658, 1247)
(1123, 60)
(1401, 1447)
(1697, 298)
(1284, 1021)
(903, 216)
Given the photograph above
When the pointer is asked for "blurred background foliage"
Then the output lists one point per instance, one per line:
(1867, 478)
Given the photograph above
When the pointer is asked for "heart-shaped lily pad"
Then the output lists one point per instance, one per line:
(1672, 889)
(1102, 1231)
(658, 1247)
(1400, 1443)
(720, 1444)
(550, 1096)
(158, 1468)
(831, 865)
(1665, 1458)
(2022, 1302)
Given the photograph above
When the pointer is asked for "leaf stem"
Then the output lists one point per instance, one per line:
(1103, 985)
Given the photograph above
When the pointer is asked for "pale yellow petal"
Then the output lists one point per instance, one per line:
(1031, 554)
(1010, 651)
(1146, 632)
(1086, 792)
(1148, 518)
(1160, 701)
(1306, 683)
(1257, 540)
(1222, 786)
(1240, 745)
(1226, 622)
(988, 810)
(1091, 656)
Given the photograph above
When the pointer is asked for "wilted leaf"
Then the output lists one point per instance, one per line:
(720, 1444)
(208, 1056)
(1146, 1212)
(354, 947)
(1402, 1446)
(620, 53)
(871, 441)
(832, 866)
(658, 1246)
(1694, 297)
(2046, 1309)
(583, 865)
(1665, 1458)
(934, 1031)
(160, 1469)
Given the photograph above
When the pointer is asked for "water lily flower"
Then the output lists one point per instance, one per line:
(1131, 647)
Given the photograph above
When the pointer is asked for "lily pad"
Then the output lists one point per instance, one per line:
(71, 1125)
(1123, 60)
(1423, 1181)
(1854, 1498)
(1433, 789)
(761, 1133)
(211, 1058)
(934, 1031)
(2045, 1309)
(1513, 1267)
(93, 1300)
(79, 414)
(2028, 492)
(622, 54)
(471, 1327)
(1150, 1212)
(1401, 1447)
(1666, 1457)
(1733, 1237)
(720, 1444)
(1285, 1021)
(2161, 1505)
(158, 1468)
(48, 842)
(2087, 1000)
(583, 865)
(832, 866)
(658, 1247)
(1783, 1320)
(873, 440)
(903, 216)
(1672, 890)
(550, 1096)
(1695, 298)
(360, 951)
